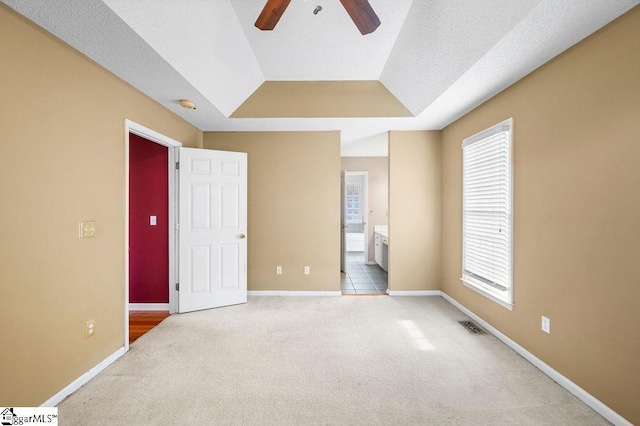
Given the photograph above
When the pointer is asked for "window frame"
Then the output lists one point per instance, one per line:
(503, 298)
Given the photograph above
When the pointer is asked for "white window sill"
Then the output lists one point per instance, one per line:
(487, 294)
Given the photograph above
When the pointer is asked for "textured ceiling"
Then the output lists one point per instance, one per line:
(439, 58)
(326, 46)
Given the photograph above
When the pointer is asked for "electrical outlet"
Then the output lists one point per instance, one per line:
(279, 270)
(307, 270)
(87, 229)
(89, 328)
(546, 325)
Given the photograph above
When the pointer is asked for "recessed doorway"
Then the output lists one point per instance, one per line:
(153, 160)
(148, 235)
(360, 273)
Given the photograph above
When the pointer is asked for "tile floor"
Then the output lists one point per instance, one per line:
(362, 278)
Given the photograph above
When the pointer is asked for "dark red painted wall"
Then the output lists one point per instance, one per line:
(149, 245)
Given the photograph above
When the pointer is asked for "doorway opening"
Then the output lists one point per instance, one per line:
(364, 191)
(148, 235)
(356, 191)
(211, 244)
(150, 224)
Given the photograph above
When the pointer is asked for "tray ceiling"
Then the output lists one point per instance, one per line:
(438, 58)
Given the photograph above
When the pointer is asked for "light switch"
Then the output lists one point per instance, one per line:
(153, 220)
(87, 229)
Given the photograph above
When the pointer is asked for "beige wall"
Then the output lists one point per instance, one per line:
(577, 206)
(378, 191)
(414, 210)
(62, 134)
(294, 207)
(576, 210)
(322, 99)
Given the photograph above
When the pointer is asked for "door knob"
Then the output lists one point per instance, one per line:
(242, 236)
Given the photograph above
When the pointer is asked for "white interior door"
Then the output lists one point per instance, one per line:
(212, 232)
(343, 223)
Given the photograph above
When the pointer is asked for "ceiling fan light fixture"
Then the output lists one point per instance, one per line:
(360, 11)
(186, 103)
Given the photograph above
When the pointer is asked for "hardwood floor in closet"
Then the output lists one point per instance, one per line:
(140, 322)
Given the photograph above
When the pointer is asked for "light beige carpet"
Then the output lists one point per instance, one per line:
(324, 361)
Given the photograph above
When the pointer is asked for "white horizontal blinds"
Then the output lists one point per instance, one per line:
(487, 212)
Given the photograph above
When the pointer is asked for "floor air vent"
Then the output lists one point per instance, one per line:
(472, 327)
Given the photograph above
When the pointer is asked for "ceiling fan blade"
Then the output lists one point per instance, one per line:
(362, 15)
(271, 14)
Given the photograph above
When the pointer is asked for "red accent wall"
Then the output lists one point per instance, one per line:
(148, 245)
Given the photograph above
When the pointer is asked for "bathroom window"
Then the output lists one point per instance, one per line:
(353, 203)
(487, 213)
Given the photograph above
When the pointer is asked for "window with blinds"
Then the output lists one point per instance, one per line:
(487, 231)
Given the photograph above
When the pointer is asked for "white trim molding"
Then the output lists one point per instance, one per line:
(295, 293)
(563, 381)
(82, 380)
(149, 306)
(415, 293)
(147, 133)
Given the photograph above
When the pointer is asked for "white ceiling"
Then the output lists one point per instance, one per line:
(326, 46)
(440, 58)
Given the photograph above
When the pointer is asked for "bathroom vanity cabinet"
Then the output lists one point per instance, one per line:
(381, 248)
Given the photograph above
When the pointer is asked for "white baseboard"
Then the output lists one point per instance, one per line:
(563, 381)
(371, 263)
(570, 386)
(77, 383)
(294, 293)
(415, 293)
(148, 306)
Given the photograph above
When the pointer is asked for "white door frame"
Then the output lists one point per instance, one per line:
(364, 209)
(172, 148)
(343, 223)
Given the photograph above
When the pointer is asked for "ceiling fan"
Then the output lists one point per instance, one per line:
(360, 11)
